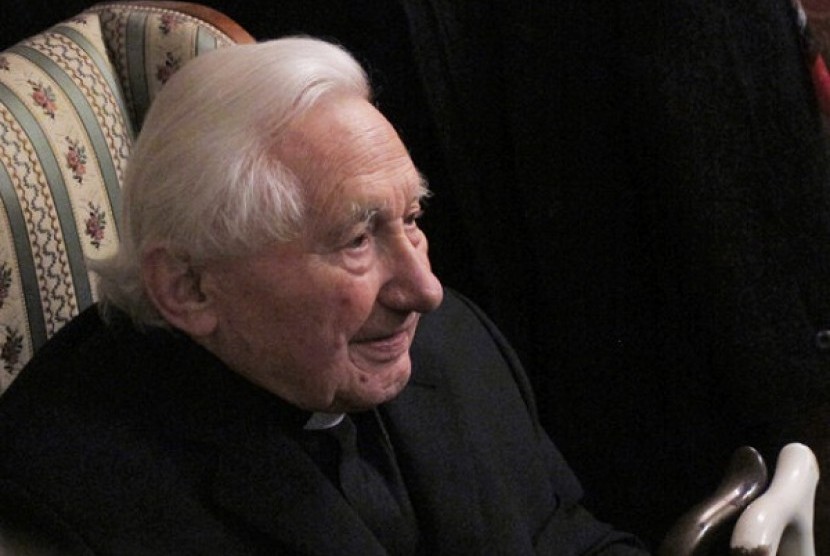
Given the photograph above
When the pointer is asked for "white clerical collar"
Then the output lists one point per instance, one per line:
(321, 421)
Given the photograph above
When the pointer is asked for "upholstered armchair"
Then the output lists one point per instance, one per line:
(72, 99)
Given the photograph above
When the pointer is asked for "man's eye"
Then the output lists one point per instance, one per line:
(411, 220)
(358, 241)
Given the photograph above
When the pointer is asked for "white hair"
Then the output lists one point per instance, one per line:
(203, 178)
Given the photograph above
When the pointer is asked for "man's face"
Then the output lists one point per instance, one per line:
(326, 321)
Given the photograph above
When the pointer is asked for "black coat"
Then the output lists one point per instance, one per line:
(118, 442)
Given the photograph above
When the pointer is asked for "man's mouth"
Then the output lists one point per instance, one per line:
(385, 346)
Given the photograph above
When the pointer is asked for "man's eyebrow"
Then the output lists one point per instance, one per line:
(356, 215)
(364, 214)
(361, 214)
(424, 191)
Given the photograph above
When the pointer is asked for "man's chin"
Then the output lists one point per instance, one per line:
(373, 390)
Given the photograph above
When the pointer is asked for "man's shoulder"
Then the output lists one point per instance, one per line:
(60, 363)
(84, 328)
(456, 314)
(86, 348)
(85, 336)
(90, 411)
(459, 329)
(457, 345)
(81, 381)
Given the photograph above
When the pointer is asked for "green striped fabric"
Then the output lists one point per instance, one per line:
(149, 44)
(71, 100)
(64, 141)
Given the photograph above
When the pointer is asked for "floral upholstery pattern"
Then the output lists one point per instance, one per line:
(71, 101)
(148, 44)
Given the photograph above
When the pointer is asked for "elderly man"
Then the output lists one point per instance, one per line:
(262, 376)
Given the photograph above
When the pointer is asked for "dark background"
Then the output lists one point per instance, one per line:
(635, 191)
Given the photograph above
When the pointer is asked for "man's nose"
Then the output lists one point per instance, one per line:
(411, 286)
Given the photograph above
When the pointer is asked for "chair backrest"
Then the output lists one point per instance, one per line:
(71, 101)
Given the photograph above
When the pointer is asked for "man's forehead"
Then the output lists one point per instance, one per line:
(316, 137)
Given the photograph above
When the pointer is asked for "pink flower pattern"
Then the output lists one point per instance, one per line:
(169, 22)
(168, 68)
(5, 282)
(11, 349)
(76, 159)
(96, 225)
(44, 97)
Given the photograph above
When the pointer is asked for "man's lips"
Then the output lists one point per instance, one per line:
(383, 346)
(383, 339)
(385, 335)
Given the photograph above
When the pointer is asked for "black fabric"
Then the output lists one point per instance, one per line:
(144, 443)
(370, 480)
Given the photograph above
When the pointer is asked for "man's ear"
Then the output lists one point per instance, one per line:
(175, 289)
